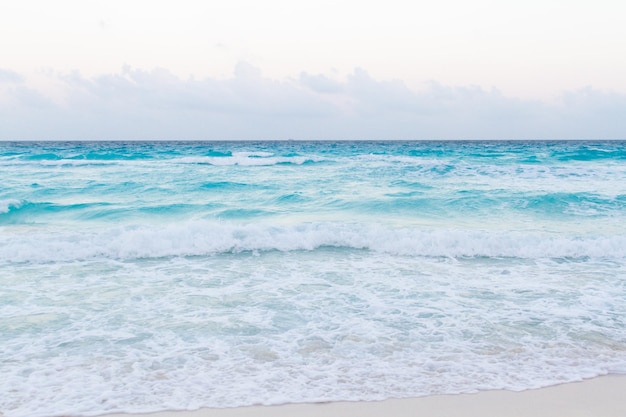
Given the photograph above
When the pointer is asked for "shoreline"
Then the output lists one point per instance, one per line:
(603, 396)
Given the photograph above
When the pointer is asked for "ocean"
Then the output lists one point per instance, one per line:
(146, 276)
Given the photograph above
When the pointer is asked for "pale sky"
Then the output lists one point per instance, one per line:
(317, 69)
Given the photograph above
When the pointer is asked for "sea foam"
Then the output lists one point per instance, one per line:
(202, 238)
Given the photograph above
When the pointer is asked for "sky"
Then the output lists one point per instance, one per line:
(341, 69)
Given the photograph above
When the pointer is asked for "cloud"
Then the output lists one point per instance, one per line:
(320, 83)
(156, 104)
(592, 113)
(30, 98)
(246, 94)
(8, 76)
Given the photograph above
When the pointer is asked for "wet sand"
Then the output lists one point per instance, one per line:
(598, 397)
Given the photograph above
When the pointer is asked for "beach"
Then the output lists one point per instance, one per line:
(601, 396)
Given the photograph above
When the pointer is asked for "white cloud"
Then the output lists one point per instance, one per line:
(8, 76)
(156, 104)
(320, 83)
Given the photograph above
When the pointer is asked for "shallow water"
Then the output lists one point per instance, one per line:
(145, 276)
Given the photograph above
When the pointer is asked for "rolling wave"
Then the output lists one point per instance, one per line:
(204, 238)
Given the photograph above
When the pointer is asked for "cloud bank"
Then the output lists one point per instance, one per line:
(155, 104)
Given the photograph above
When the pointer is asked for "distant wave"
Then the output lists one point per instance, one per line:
(24, 211)
(8, 205)
(241, 159)
(249, 159)
(408, 199)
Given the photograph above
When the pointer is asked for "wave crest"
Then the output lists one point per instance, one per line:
(205, 238)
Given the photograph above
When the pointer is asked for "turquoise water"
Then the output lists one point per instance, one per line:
(146, 276)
